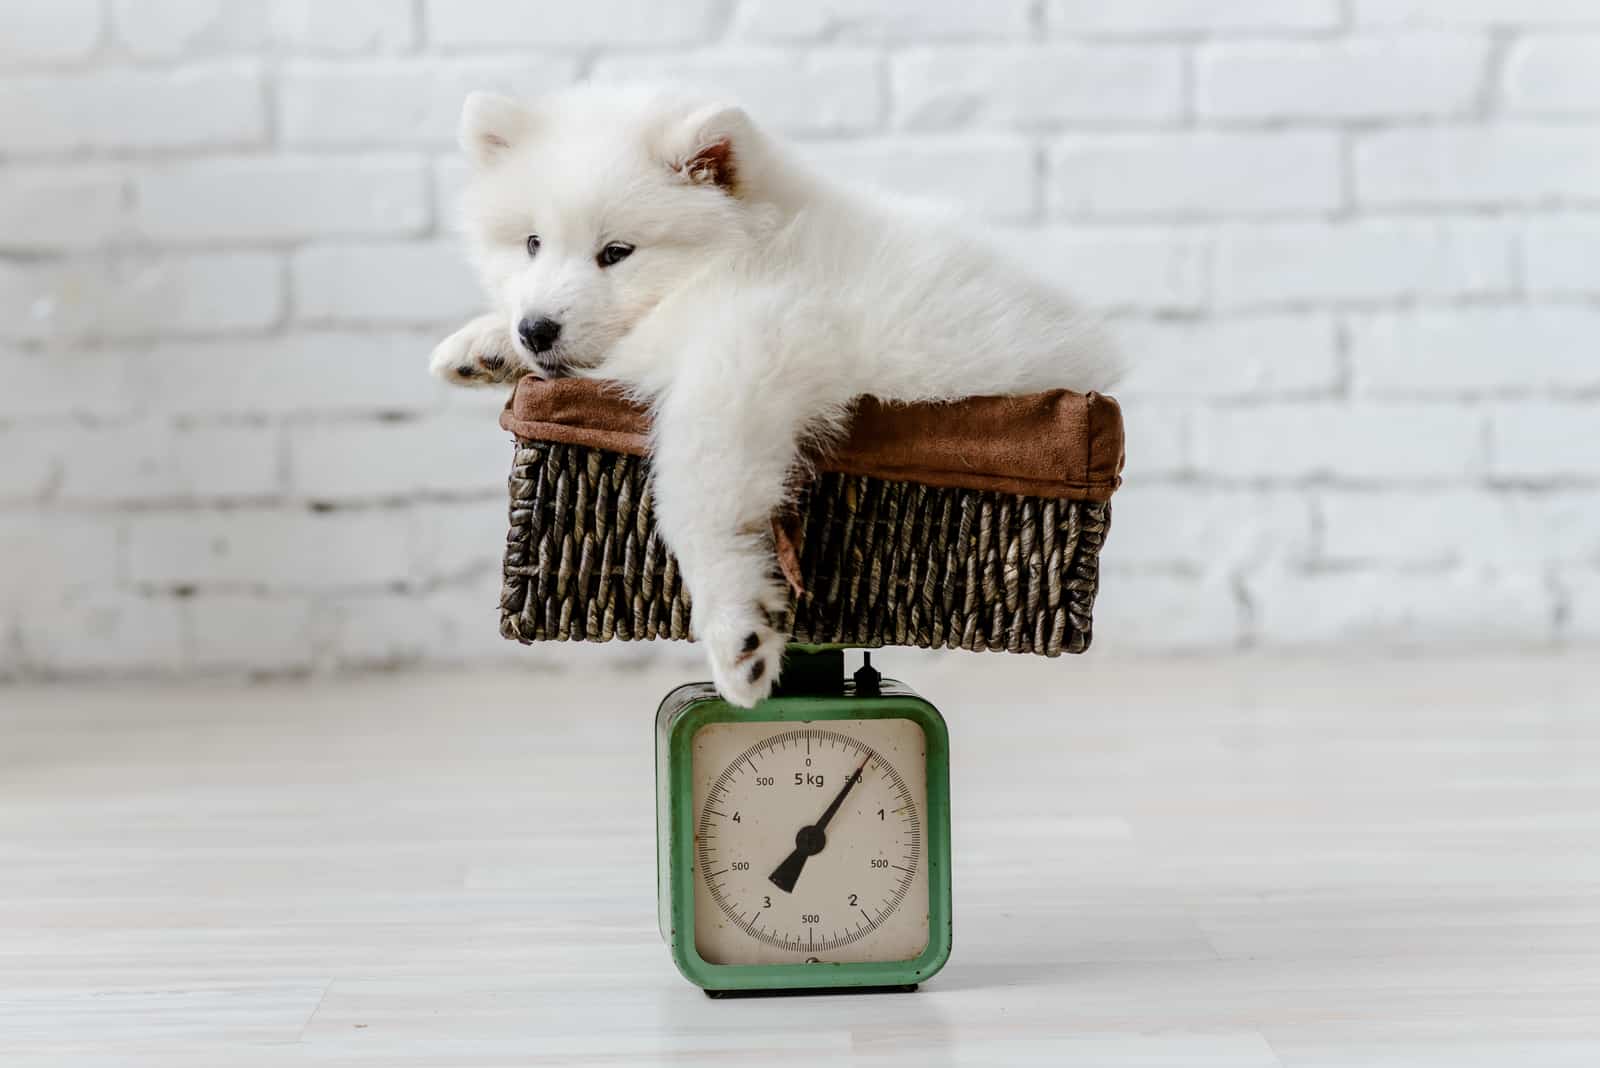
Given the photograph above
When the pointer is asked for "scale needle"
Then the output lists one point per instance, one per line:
(810, 839)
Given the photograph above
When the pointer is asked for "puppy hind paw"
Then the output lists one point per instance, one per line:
(746, 654)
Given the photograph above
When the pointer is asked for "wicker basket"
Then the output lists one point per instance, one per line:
(881, 561)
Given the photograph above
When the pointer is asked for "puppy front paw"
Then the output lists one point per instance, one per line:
(479, 354)
(745, 646)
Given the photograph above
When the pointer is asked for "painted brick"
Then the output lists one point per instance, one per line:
(1191, 16)
(482, 405)
(1556, 526)
(1120, 267)
(271, 550)
(400, 102)
(357, 461)
(139, 462)
(1163, 613)
(162, 29)
(105, 633)
(41, 301)
(1554, 76)
(1366, 444)
(1582, 595)
(1263, 356)
(386, 630)
(1467, 607)
(1160, 439)
(386, 285)
(348, 27)
(450, 176)
(66, 31)
(466, 613)
(137, 296)
(992, 176)
(283, 199)
(1206, 528)
(818, 93)
(135, 110)
(881, 20)
(239, 633)
(151, 461)
(1195, 175)
(1036, 86)
(1474, 13)
(1546, 441)
(47, 558)
(1561, 255)
(1360, 78)
(44, 386)
(461, 539)
(371, 371)
(1469, 350)
(611, 23)
(1381, 260)
(1484, 166)
(33, 462)
(61, 208)
(1458, 526)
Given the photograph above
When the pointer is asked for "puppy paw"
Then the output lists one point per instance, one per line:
(479, 354)
(745, 647)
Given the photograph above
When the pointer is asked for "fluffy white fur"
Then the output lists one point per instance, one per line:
(759, 301)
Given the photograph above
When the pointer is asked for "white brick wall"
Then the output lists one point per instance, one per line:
(1188, 174)
(250, 200)
(1350, 79)
(504, 24)
(1353, 246)
(1153, 17)
(1362, 261)
(136, 294)
(339, 104)
(838, 91)
(1497, 164)
(69, 34)
(1507, 14)
(1554, 76)
(1102, 85)
(134, 110)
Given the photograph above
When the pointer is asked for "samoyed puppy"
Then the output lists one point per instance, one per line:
(667, 243)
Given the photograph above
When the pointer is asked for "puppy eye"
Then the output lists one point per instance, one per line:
(533, 245)
(613, 254)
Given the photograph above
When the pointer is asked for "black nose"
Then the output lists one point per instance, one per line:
(539, 334)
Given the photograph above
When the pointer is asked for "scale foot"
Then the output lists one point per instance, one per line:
(821, 991)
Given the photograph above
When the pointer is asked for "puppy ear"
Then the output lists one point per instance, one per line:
(708, 147)
(491, 125)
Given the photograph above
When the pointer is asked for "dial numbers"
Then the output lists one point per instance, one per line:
(809, 842)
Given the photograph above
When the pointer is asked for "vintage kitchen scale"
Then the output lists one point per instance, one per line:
(804, 845)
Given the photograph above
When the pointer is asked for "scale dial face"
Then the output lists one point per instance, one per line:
(809, 841)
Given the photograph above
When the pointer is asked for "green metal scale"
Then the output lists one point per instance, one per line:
(804, 845)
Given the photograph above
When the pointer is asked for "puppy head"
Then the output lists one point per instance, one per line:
(586, 209)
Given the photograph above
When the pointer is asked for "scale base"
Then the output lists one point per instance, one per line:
(821, 991)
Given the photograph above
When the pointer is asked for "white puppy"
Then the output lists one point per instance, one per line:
(670, 245)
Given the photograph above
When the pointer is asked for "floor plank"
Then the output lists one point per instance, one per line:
(1240, 861)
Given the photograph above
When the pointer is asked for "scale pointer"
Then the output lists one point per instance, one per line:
(810, 839)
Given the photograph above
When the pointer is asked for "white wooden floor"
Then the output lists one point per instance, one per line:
(1185, 863)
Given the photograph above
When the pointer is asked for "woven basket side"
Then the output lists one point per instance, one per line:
(883, 562)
